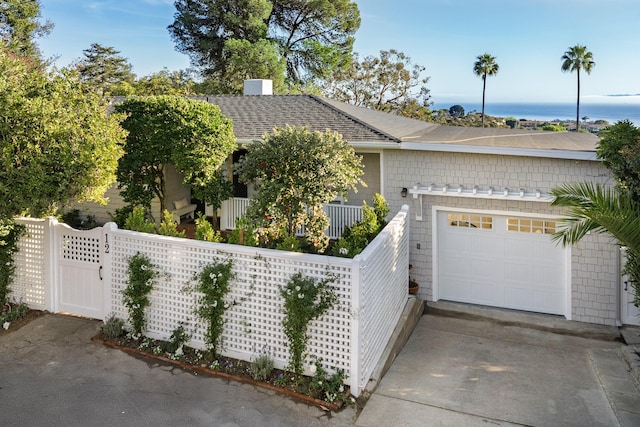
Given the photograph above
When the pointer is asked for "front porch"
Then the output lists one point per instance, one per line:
(340, 215)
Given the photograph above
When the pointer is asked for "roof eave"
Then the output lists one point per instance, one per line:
(507, 151)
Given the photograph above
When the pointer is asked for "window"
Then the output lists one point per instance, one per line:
(531, 225)
(470, 221)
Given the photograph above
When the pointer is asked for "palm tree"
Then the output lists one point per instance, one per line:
(575, 59)
(592, 207)
(485, 66)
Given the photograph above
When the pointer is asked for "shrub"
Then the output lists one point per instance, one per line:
(554, 128)
(355, 238)
(113, 326)
(137, 221)
(168, 227)
(10, 234)
(205, 231)
(73, 218)
(261, 367)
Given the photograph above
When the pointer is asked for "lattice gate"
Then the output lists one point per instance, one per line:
(79, 288)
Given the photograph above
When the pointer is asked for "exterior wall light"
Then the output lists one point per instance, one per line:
(404, 192)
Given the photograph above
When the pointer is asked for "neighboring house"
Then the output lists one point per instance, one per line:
(481, 215)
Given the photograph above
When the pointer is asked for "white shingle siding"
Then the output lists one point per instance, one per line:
(594, 261)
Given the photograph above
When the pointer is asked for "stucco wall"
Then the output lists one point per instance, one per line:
(594, 277)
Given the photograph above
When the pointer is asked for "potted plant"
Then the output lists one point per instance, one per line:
(413, 285)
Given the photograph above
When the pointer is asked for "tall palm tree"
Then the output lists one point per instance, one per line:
(485, 65)
(592, 207)
(575, 59)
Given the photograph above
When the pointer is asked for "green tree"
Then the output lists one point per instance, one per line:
(57, 143)
(456, 110)
(192, 135)
(20, 24)
(103, 69)
(484, 66)
(164, 82)
(298, 171)
(384, 83)
(575, 59)
(617, 210)
(227, 38)
(619, 150)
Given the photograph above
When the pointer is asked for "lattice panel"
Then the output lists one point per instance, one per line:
(385, 274)
(254, 319)
(77, 246)
(29, 278)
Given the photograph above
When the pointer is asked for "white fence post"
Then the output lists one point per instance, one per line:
(107, 265)
(51, 261)
(356, 327)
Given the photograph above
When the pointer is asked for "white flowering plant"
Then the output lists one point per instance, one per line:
(213, 283)
(328, 387)
(305, 299)
(142, 277)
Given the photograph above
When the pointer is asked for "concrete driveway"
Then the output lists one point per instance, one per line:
(452, 372)
(457, 372)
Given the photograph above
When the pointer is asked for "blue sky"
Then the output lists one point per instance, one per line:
(527, 37)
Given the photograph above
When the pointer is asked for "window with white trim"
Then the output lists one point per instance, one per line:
(470, 221)
(531, 225)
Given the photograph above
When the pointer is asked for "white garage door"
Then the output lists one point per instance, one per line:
(501, 261)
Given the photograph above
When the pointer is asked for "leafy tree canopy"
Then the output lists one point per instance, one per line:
(390, 83)
(57, 143)
(619, 149)
(238, 39)
(298, 171)
(192, 135)
(456, 110)
(103, 69)
(20, 24)
(164, 82)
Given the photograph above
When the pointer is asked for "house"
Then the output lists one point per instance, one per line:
(481, 216)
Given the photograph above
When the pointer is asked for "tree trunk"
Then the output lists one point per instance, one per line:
(484, 87)
(578, 105)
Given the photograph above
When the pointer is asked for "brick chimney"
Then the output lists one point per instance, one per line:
(258, 87)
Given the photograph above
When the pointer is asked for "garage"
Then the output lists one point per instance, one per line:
(500, 260)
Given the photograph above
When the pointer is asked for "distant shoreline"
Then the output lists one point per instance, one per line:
(612, 112)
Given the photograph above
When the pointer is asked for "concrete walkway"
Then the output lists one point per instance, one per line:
(499, 370)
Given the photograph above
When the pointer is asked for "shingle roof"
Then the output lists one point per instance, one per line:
(253, 116)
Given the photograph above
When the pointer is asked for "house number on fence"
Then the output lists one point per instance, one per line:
(106, 243)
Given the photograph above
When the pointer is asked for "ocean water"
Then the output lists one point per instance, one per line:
(609, 111)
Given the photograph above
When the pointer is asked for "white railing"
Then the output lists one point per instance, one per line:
(371, 290)
(232, 210)
(340, 216)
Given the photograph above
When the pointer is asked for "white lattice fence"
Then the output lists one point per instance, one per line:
(254, 320)
(384, 275)
(371, 289)
(30, 278)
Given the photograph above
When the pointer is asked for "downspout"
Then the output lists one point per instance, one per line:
(619, 286)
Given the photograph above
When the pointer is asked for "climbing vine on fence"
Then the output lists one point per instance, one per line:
(142, 277)
(305, 299)
(213, 285)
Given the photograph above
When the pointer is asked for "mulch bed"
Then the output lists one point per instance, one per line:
(19, 323)
(195, 361)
